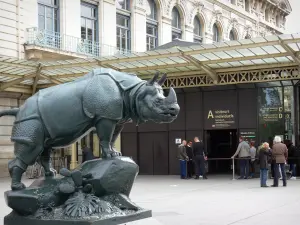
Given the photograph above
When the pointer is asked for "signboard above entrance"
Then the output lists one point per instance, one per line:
(220, 110)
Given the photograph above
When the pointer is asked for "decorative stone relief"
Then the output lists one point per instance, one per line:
(216, 17)
(198, 6)
(171, 3)
(233, 24)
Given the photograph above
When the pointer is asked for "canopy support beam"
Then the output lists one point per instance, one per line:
(289, 50)
(36, 79)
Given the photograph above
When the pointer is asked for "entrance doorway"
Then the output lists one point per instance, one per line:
(220, 144)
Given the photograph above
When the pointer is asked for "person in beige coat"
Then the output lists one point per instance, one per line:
(279, 156)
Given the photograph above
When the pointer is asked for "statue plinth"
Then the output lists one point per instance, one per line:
(95, 193)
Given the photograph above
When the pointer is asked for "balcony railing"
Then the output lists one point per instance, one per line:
(62, 42)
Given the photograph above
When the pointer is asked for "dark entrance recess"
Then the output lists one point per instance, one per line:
(153, 155)
(220, 144)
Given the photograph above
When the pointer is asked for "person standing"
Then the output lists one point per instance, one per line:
(200, 156)
(87, 154)
(263, 159)
(252, 155)
(243, 151)
(279, 155)
(189, 152)
(292, 158)
(183, 158)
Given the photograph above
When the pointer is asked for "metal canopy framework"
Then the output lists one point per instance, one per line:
(261, 59)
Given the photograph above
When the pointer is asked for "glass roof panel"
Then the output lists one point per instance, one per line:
(234, 53)
(233, 43)
(282, 59)
(270, 49)
(177, 59)
(245, 41)
(210, 56)
(296, 35)
(280, 48)
(214, 66)
(258, 51)
(258, 61)
(285, 36)
(270, 60)
(272, 38)
(224, 64)
(200, 57)
(294, 46)
(236, 64)
(222, 55)
(269, 84)
(247, 62)
(258, 40)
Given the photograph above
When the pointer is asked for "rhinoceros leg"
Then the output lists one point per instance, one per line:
(105, 129)
(28, 138)
(45, 161)
(117, 131)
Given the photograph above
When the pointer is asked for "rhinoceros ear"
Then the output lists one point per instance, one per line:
(153, 79)
(162, 79)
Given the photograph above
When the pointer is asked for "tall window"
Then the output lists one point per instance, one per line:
(176, 24)
(48, 15)
(123, 25)
(123, 32)
(267, 15)
(123, 4)
(232, 35)
(197, 30)
(247, 5)
(216, 33)
(89, 22)
(152, 25)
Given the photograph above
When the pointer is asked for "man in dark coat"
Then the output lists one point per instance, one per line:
(87, 154)
(292, 150)
(190, 166)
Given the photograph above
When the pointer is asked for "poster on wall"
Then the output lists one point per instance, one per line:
(178, 141)
(220, 110)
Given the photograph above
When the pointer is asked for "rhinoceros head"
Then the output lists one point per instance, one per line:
(153, 105)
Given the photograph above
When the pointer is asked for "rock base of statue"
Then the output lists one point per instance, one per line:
(97, 192)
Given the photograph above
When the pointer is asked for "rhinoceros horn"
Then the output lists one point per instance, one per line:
(162, 79)
(153, 79)
(171, 97)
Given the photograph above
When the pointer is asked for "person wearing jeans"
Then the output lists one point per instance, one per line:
(182, 156)
(292, 158)
(263, 156)
(243, 151)
(279, 155)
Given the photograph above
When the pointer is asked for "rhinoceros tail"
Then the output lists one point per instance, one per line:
(9, 112)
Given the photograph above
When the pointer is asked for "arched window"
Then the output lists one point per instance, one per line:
(197, 30)
(152, 25)
(247, 5)
(267, 15)
(123, 25)
(176, 24)
(233, 2)
(278, 20)
(216, 33)
(232, 35)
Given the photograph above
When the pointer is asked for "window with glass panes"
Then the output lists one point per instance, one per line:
(48, 15)
(176, 24)
(216, 33)
(123, 4)
(152, 25)
(232, 35)
(197, 30)
(123, 32)
(89, 22)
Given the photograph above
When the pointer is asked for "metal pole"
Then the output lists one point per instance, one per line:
(233, 170)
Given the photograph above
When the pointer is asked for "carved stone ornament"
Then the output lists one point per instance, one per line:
(198, 6)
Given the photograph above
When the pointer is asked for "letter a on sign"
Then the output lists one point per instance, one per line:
(210, 114)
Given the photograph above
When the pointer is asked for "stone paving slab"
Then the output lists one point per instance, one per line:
(216, 201)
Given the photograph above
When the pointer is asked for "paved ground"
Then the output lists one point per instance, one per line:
(217, 201)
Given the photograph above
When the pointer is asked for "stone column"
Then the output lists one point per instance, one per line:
(107, 29)
(189, 33)
(138, 29)
(74, 161)
(166, 30)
